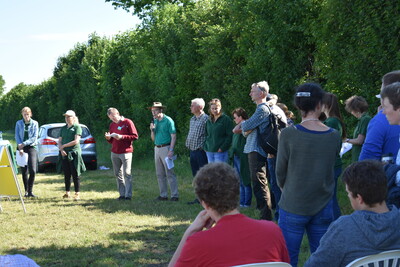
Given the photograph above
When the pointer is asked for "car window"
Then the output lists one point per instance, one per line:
(85, 132)
(55, 132)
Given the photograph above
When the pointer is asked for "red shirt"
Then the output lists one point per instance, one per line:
(234, 240)
(127, 129)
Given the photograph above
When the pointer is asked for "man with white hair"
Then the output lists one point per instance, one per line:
(196, 137)
(257, 156)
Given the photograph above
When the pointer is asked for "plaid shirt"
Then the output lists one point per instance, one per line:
(259, 117)
(197, 134)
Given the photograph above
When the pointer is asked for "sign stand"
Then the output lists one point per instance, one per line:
(9, 185)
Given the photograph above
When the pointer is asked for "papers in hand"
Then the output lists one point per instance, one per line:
(22, 160)
(345, 147)
(170, 162)
(112, 135)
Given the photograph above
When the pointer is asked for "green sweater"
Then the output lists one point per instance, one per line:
(304, 169)
(218, 134)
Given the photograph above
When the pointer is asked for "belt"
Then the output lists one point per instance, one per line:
(162, 145)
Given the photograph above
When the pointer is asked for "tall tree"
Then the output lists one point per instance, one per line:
(141, 8)
(2, 83)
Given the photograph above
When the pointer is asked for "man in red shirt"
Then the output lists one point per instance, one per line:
(235, 239)
(121, 134)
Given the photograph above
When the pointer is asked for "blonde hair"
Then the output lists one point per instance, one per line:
(217, 102)
(27, 110)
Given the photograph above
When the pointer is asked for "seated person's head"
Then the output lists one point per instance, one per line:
(368, 180)
(217, 184)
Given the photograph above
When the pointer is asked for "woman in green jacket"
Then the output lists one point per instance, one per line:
(218, 133)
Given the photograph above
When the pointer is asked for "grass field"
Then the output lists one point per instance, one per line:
(98, 230)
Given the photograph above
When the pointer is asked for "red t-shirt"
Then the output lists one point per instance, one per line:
(127, 129)
(235, 239)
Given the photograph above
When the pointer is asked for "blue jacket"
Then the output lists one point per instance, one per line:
(382, 138)
(33, 131)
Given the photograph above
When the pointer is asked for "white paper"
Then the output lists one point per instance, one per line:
(170, 162)
(112, 135)
(22, 160)
(345, 147)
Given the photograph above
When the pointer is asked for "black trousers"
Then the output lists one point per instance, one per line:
(70, 170)
(258, 173)
(29, 170)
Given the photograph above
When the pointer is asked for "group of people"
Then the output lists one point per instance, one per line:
(70, 158)
(301, 177)
(306, 169)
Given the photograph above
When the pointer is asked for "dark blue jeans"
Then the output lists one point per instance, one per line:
(245, 190)
(198, 159)
(276, 191)
(336, 208)
(293, 227)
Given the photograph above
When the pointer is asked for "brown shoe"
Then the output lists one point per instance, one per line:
(66, 195)
(76, 197)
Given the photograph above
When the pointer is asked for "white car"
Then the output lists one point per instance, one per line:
(48, 146)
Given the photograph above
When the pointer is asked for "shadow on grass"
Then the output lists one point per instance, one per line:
(151, 254)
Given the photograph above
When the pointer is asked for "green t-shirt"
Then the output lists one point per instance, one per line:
(68, 135)
(361, 128)
(163, 130)
(26, 131)
(334, 123)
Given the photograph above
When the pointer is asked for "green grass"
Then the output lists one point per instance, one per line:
(98, 230)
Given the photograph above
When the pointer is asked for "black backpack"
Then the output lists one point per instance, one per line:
(268, 137)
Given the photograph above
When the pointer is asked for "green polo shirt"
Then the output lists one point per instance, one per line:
(163, 130)
(68, 135)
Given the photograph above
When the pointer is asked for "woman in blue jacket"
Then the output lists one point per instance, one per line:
(26, 136)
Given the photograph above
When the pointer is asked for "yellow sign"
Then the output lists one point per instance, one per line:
(8, 183)
(8, 179)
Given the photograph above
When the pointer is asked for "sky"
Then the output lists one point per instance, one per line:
(35, 33)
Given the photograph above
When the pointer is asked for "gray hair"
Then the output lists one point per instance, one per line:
(262, 86)
(200, 102)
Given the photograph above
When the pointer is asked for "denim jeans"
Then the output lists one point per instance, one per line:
(198, 159)
(245, 190)
(336, 208)
(276, 191)
(217, 156)
(293, 227)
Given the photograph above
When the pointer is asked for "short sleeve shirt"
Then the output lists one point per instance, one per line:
(163, 130)
(68, 135)
(361, 128)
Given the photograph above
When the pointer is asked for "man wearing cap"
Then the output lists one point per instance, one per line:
(196, 137)
(382, 139)
(121, 133)
(163, 134)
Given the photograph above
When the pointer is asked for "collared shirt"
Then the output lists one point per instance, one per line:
(163, 130)
(259, 117)
(197, 133)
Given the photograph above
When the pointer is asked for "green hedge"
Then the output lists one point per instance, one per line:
(217, 49)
